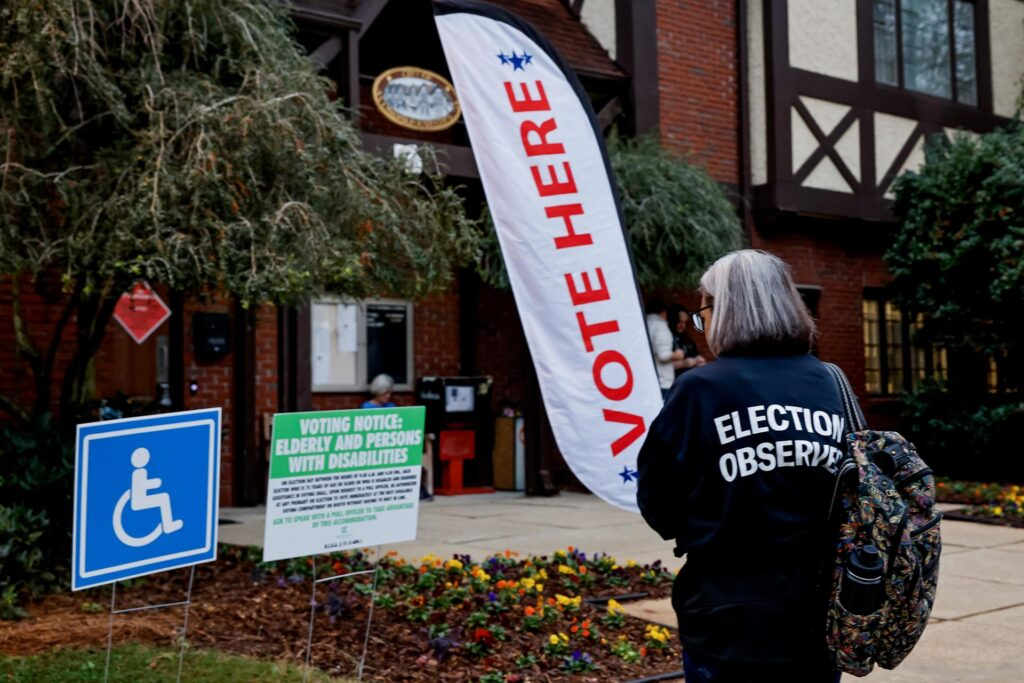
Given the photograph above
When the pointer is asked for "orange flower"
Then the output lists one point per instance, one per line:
(508, 554)
(582, 570)
(643, 650)
(574, 628)
(551, 601)
(529, 611)
(586, 633)
(571, 549)
(423, 569)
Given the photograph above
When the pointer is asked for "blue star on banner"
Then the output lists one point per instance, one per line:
(627, 475)
(519, 62)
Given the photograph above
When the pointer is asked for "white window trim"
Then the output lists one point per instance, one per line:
(362, 381)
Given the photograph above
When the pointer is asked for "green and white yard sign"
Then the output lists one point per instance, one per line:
(342, 479)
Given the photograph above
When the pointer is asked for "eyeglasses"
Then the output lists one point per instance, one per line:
(698, 319)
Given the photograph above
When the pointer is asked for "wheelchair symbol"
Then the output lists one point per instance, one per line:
(140, 498)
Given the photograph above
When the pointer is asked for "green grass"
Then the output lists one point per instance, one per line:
(138, 664)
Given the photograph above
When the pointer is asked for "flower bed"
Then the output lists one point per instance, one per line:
(505, 619)
(1002, 503)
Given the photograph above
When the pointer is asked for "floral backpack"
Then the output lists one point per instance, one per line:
(884, 497)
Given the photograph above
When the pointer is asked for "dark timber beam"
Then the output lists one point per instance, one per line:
(453, 160)
(574, 6)
(609, 112)
(636, 46)
(367, 12)
(313, 14)
(325, 54)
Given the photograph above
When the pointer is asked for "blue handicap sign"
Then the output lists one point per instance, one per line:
(146, 492)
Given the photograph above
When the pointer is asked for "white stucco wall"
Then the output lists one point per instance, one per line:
(1006, 24)
(823, 37)
(599, 18)
(891, 133)
(825, 175)
(757, 101)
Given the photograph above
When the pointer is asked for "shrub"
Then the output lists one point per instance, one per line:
(35, 514)
(956, 259)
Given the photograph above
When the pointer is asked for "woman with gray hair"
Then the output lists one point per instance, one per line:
(738, 470)
(380, 389)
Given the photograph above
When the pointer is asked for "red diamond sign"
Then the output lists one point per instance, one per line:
(140, 312)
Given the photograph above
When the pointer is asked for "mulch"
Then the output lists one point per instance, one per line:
(241, 608)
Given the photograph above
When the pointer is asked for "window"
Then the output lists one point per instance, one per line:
(891, 362)
(354, 341)
(927, 46)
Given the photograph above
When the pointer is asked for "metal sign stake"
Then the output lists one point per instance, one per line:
(184, 626)
(110, 632)
(312, 614)
(186, 603)
(369, 619)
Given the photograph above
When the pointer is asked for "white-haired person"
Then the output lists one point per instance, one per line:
(738, 470)
(381, 388)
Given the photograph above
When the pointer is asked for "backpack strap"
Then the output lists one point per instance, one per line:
(855, 421)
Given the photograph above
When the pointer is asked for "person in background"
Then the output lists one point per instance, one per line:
(661, 343)
(679, 320)
(380, 388)
(738, 469)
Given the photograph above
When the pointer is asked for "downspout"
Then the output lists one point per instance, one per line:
(743, 133)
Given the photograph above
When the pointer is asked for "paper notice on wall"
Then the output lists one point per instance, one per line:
(321, 360)
(348, 337)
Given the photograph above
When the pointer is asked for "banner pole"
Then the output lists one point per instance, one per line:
(110, 632)
(312, 615)
(184, 627)
(369, 618)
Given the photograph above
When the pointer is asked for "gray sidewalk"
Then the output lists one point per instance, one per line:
(977, 629)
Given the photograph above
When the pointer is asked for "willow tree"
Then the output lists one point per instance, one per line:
(190, 143)
(679, 220)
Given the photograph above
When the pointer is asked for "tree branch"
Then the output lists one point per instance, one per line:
(14, 409)
(93, 317)
(21, 337)
(43, 379)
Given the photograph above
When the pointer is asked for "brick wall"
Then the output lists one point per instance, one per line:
(699, 88)
(843, 259)
(435, 349)
(215, 380)
(501, 350)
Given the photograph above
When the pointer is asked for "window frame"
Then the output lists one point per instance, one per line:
(982, 63)
(907, 368)
(362, 380)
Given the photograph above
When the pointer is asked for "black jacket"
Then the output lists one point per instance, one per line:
(739, 469)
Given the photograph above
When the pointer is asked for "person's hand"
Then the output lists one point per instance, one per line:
(699, 361)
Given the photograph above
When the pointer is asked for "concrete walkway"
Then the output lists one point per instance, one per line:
(977, 629)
